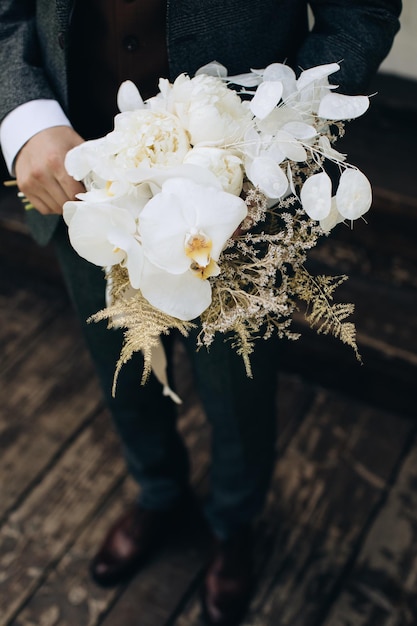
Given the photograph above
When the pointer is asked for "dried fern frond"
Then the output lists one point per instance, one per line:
(143, 323)
(326, 316)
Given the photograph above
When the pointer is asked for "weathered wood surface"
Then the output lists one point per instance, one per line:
(327, 487)
(67, 595)
(22, 314)
(39, 412)
(38, 533)
(62, 471)
(337, 460)
(381, 586)
(162, 590)
(331, 488)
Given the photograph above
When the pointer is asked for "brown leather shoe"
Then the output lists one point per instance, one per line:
(129, 542)
(229, 579)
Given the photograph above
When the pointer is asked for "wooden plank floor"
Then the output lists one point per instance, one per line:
(337, 542)
(335, 546)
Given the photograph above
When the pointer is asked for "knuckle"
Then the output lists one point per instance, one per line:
(54, 161)
(38, 174)
(25, 184)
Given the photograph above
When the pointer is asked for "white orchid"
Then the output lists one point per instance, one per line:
(184, 296)
(184, 229)
(105, 235)
(119, 193)
(188, 224)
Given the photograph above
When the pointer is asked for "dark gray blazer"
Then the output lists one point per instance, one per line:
(238, 33)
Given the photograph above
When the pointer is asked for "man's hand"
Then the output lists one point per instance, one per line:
(40, 170)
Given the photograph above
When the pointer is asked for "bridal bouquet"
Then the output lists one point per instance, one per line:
(204, 201)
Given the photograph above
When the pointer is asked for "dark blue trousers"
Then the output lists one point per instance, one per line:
(241, 411)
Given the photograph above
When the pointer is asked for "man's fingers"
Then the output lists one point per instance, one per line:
(70, 187)
(45, 203)
(40, 205)
(40, 170)
(46, 195)
(51, 191)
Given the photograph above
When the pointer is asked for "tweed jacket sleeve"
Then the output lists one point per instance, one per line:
(357, 33)
(247, 33)
(25, 74)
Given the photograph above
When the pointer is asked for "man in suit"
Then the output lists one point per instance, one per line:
(62, 63)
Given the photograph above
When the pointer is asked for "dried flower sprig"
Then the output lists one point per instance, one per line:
(143, 324)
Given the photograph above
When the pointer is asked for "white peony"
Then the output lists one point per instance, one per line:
(144, 137)
(142, 141)
(212, 113)
(227, 167)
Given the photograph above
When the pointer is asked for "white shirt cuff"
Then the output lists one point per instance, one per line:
(25, 121)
